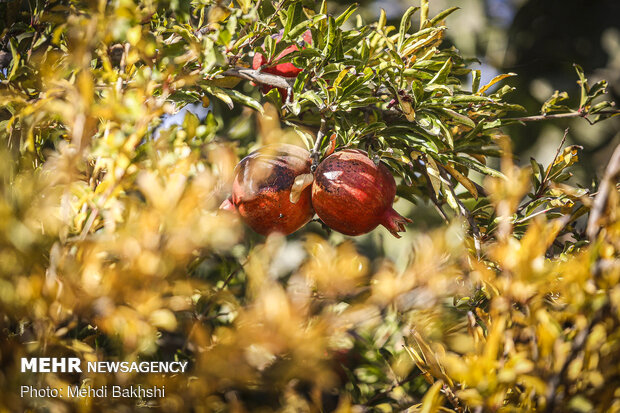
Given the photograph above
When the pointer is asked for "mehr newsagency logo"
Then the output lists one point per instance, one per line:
(76, 365)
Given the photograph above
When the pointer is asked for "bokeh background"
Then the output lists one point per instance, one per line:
(539, 41)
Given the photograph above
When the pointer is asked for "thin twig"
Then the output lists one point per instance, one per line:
(557, 153)
(231, 275)
(527, 218)
(316, 150)
(576, 114)
(89, 224)
(543, 183)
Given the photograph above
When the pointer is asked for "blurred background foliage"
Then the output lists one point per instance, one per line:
(540, 41)
(112, 248)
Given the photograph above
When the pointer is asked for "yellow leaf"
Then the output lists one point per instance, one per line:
(433, 174)
(432, 399)
(494, 81)
(463, 180)
(301, 182)
(341, 76)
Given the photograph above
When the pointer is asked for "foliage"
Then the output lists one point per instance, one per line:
(113, 249)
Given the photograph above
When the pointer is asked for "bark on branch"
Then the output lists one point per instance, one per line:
(576, 114)
(260, 77)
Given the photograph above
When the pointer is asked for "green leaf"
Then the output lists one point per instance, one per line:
(438, 87)
(300, 82)
(190, 123)
(405, 22)
(301, 27)
(450, 199)
(435, 35)
(346, 14)
(477, 166)
(460, 118)
(446, 133)
(442, 15)
(365, 52)
(16, 59)
(241, 40)
(442, 75)
(220, 94)
(600, 106)
(474, 132)
(537, 172)
(382, 20)
(331, 37)
(551, 105)
(270, 47)
(244, 99)
(598, 89)
(424, 6)
(313, 97)
(583, 85)
(293, 17)
(475, 81)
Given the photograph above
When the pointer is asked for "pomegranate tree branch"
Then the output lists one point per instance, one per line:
(260, 77)
(316, 151)
(576, 114)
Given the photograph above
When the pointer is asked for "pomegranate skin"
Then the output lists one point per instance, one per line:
(353, 195)
(262, 187)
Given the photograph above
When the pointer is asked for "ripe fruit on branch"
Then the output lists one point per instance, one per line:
(282, 69)
(262, 189)
(353, 195)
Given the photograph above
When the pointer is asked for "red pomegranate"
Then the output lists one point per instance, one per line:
(283, 69)
(352, 195)
(262, 189)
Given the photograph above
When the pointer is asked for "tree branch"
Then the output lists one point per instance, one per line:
(577, 114)
(260, 77)
(316, 150)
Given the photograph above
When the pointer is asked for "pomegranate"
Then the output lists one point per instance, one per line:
(261, 191)
(352, 195)
(283, 69)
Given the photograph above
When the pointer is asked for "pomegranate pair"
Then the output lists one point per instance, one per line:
(350, 193)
